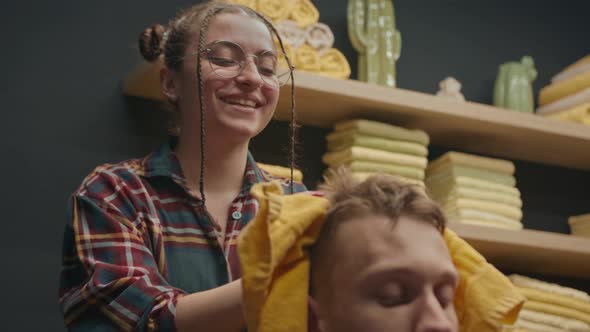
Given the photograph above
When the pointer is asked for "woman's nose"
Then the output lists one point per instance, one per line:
(250, 75)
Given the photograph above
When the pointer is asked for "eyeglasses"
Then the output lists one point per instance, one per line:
(228, 60)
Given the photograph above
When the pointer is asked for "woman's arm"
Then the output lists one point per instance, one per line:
(218, 309)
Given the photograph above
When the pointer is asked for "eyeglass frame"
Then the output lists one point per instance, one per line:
(244, 63)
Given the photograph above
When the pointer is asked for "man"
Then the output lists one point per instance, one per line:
(381, 263)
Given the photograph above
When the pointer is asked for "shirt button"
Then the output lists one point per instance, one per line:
(236, 215)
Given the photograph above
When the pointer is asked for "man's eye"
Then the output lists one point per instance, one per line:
(392, 295)
(391, 301)
(446, 296)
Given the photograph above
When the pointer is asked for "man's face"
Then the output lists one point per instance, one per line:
(386, 277)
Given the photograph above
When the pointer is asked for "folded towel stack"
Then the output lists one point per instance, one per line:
(369, 147)
(282, 171)
(551, 307)
(476, 190)
(580, 225)
(567, 98)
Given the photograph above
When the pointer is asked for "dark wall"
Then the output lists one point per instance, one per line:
(64, 113)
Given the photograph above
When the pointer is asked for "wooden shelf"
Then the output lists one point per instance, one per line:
(531, 251)
(466, 126)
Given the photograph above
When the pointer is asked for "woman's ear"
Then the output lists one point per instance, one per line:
(313, 320)
(169, 84)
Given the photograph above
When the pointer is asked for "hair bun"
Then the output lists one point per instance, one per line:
(150, 42)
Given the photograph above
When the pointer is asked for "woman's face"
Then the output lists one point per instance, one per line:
(237, 107)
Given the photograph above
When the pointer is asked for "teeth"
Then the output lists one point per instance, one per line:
(240, 101)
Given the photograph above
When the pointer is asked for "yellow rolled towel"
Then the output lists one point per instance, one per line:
(334, 64)
(528, 282)
(384, 130)
(345, 139)
(447, 183)
(557, 310)
(465, 159)
(475, 204)
(304, 13)
(368, 154)
(248, 3)
(483, 216)
(555, 321)
(276, 10)
(307, 59)
(466, 192)
(471, 172)
(371, 166)
(281, 171)
(565, 88)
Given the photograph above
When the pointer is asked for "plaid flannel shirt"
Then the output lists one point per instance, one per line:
(136, 241)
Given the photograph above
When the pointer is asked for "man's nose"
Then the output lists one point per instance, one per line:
(434, 317)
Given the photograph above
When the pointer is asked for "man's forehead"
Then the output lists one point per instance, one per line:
(406, 244)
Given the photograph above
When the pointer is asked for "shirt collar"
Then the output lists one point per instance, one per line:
(163, 162)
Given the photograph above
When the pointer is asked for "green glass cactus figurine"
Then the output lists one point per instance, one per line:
(513, 88)
(372, 32)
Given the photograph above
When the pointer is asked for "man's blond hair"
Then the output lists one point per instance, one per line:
(379, 195)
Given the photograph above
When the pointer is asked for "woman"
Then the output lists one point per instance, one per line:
(150, 244)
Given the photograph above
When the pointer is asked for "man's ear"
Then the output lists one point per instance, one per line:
(169, 84)
(313, 319)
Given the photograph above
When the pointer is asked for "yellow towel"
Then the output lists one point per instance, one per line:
(482, 216)
(485, 299)
(465, 192)
(555, 299)
(485, 223)
(274, 258)
(536, 327)
(557, 310)
(528, 282)
(282, 172)
(558, 90)
(580, 219)
(342, 140)
(368, 154)
(447, 183)
(568, 102)
(465, 159)
(580, 62)
(575, 114)
(555, 321)
(384, 130)
(475, 204)
(371, 166)
(580, 225)
(472, 172)
(567, 74)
